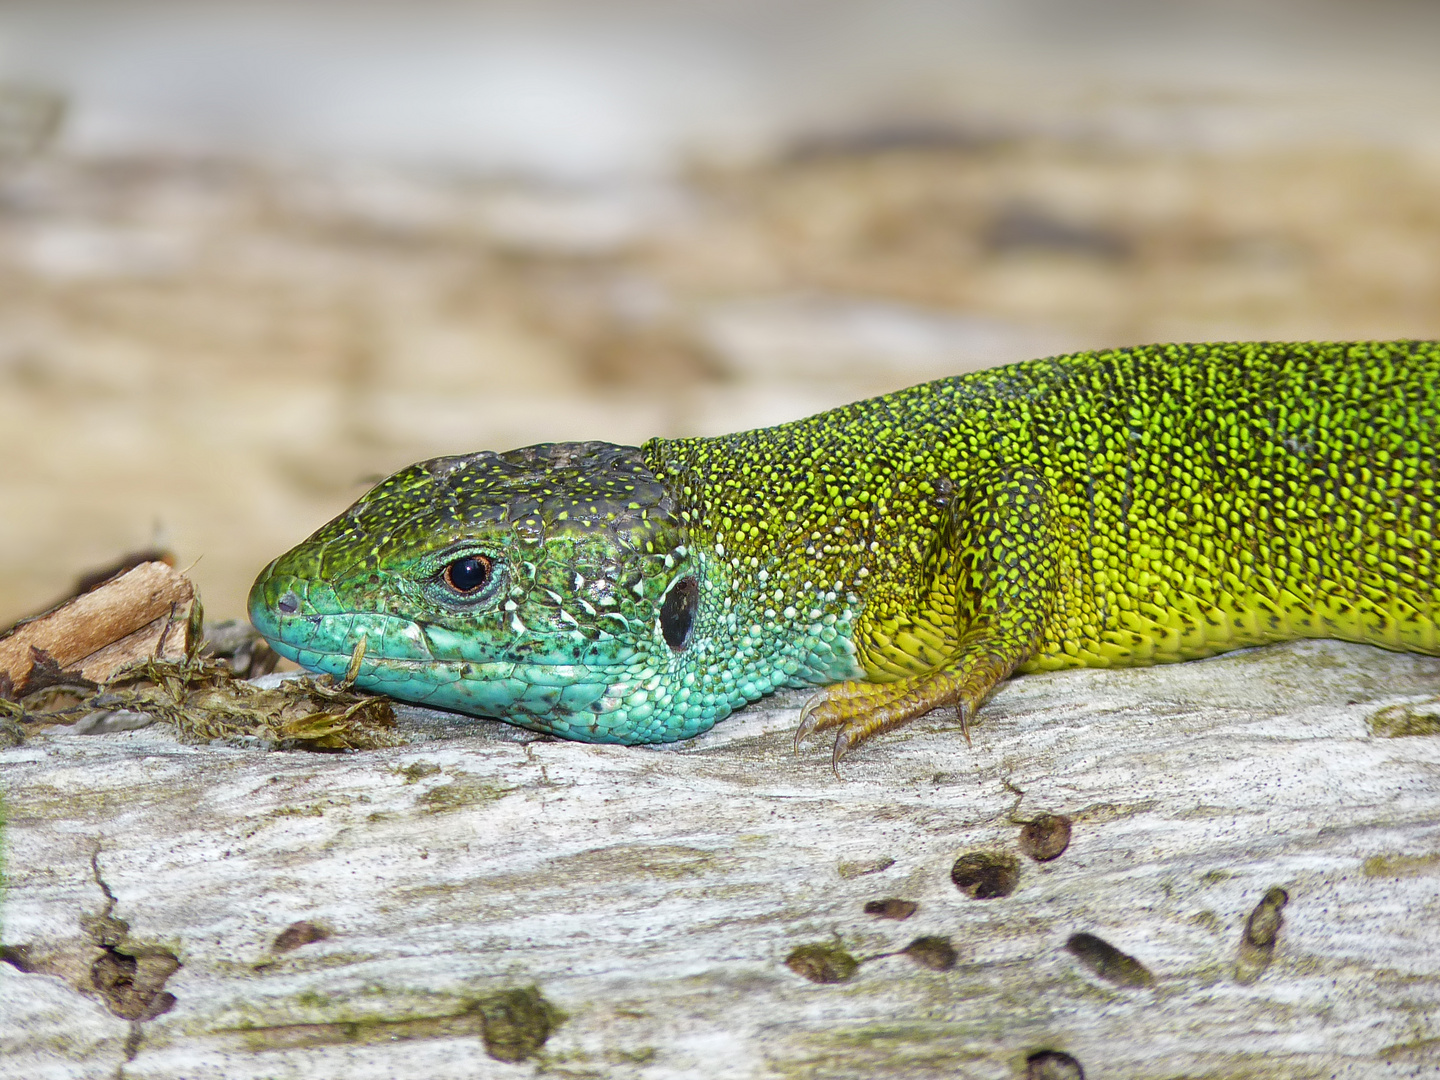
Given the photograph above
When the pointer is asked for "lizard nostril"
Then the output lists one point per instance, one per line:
(289, 603)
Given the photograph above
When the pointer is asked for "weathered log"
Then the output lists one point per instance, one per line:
(484, 896)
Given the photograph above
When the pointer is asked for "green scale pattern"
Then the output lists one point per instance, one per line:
(1121, 507)
(585, 544)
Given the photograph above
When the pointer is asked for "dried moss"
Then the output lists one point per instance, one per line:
(204, 699)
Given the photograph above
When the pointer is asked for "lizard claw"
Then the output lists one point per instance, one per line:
(842, 747)
(963, 712)
(807, 724)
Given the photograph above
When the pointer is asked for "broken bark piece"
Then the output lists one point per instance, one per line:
(142, 644)
(116, 623)
(95, 578)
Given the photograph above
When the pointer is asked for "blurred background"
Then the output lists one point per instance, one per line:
(254, 255)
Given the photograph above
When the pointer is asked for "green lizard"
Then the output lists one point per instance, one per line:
(1135, 506)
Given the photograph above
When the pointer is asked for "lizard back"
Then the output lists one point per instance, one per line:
(1205, 497)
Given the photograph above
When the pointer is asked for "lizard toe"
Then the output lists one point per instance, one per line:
(809, 723)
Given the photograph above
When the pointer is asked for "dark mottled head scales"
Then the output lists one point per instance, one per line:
(577, 486)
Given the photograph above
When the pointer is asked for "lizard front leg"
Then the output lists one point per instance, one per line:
(990, 584)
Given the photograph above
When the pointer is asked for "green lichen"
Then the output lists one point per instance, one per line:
(1400, 865)
(460, 794)
(418, 770)
(517, 1021)
(1399, 721)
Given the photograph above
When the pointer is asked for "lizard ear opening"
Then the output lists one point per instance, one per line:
(677, 614)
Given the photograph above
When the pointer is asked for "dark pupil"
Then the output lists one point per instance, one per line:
(468, 574)
(677, 614)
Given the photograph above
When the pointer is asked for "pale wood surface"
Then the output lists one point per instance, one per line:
(653, 894)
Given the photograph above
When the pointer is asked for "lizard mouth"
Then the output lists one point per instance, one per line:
(426, 664)
(304, 622)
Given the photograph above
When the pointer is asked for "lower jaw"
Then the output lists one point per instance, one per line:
(463, 687)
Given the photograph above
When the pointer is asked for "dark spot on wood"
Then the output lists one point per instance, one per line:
(935, 953)
(107, 931)
(891, 908)
(516, 1023)
(132, 986)
(45, 672)
(298, 934)
(984, 875)
(889, 138)
(1045, 836)
(1263, 925)
(18, 957)
(1052, 1065)
(1108, 962)
(822, 963)
(848, 870)
(1257, 943)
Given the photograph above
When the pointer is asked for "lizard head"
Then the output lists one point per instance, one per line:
(550, 586)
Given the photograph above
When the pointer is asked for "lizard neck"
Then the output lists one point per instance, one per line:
(775, 602)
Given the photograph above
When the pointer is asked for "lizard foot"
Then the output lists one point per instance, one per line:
(862, 710)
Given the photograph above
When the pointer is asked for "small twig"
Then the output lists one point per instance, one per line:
(165, 633)
(356, 659)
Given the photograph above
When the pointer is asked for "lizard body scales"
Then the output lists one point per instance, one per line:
(1124, 507)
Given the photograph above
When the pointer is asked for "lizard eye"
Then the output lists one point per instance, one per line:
(677, 614)
(467, 576)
